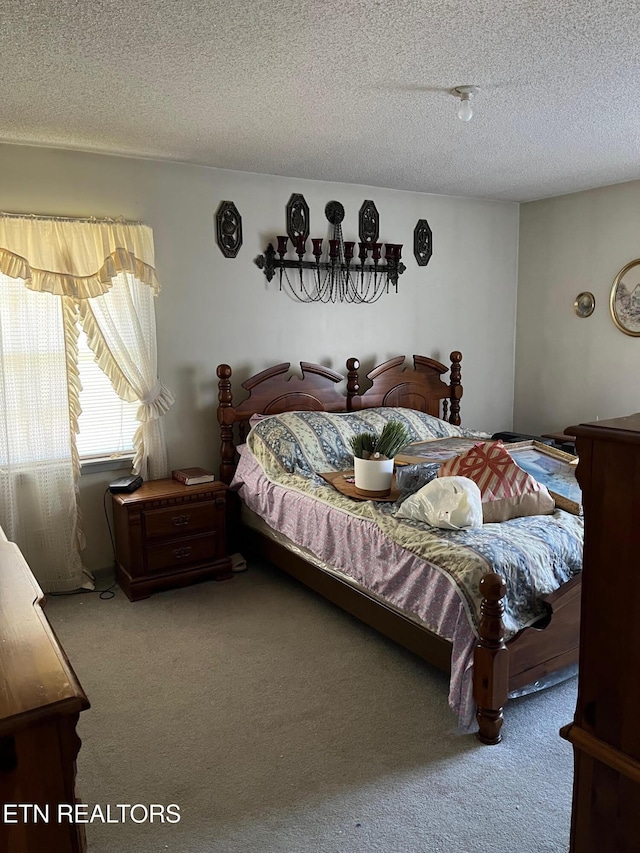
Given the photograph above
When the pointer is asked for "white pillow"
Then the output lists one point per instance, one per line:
(447, 502)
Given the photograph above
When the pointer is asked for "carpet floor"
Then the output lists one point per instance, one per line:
(279, 724)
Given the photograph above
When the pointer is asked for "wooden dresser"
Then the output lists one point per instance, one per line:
(168, 534)
(40, 701)
(606, 730)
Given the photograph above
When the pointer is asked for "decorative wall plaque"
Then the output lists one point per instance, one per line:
(422, 242)
(228, 229)
(624, 301)
(297, 218)
(368, 222)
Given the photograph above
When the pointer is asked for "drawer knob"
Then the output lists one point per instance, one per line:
(181, 520)
(181, 553)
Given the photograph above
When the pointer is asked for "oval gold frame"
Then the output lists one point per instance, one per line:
(584, 310)
(612, 298)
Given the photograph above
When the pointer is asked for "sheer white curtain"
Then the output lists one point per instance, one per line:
(55, 273)
(121, 330)
(37, 478)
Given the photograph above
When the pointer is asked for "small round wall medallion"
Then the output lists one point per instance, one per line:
(584, 304)
(334, 212)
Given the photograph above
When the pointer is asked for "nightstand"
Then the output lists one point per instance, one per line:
(168, 534)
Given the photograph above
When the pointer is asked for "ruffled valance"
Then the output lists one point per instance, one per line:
(76, 258)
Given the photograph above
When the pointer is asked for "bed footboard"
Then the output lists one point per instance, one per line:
(531, 655)
(538, 651)
(491, 661)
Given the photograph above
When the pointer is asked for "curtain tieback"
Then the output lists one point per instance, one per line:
(153, 395)
(155, 403)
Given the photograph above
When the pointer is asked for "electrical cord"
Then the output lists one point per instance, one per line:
(107, 593)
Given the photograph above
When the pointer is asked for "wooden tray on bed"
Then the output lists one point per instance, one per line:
(343, 482)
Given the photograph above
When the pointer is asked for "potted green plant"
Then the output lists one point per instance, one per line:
(373, 458)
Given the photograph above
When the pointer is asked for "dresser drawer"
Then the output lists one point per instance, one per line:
(183, 519)
(183, 553)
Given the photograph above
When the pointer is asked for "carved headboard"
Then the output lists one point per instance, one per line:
(273, 391)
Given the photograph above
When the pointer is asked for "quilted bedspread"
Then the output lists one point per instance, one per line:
(431, 573)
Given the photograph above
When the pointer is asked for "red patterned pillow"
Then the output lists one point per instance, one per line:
(507, 491)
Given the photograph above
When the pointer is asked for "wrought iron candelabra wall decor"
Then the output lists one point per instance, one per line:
(334, 275)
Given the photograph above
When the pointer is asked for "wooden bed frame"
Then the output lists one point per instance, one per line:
(499, 667)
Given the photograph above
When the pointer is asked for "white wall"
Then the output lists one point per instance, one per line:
(213, 309)
(571, 370)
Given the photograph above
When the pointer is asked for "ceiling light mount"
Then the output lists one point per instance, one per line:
(465, 93)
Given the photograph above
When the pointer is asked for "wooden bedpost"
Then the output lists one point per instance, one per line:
(455, 387)
(353, 381)
(225, 403)
(491, 660)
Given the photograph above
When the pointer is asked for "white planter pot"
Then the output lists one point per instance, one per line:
(373, 476)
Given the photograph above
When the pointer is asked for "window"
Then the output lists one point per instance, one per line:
(30, 346)
(107, 423)
(54, 269)
(33, 382)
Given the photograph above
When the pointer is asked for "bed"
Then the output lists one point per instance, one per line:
(498, 608)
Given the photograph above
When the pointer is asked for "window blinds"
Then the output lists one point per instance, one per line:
(107, 424)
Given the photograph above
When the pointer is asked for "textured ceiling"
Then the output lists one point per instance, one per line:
(336, 90)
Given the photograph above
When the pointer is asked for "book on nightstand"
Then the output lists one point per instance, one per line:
(193, 476)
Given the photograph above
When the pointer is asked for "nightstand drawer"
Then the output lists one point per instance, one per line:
(182, 520)
(179, 553)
